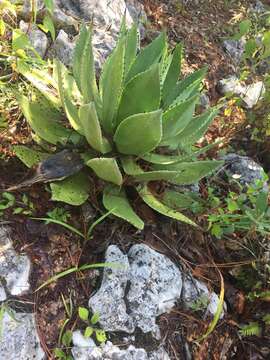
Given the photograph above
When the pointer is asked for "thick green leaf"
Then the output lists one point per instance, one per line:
(19, 40)
(173, 71)
(131, 168)
(48, 26)
(195, 129)
(115, 200)
(167, 159)
(29, 156)
(132, 42)
(43, 119)
(176, 118)
(150, 55)
(84, 66)
(67, 103)
(185, 88)
(177, 200)
(141, 94)
(162, 159)
(111, 85)
(107, 169)
(155, 204)
(41, 80)
(139, 134)
(73, 190)
(91, 128)
(190, 172)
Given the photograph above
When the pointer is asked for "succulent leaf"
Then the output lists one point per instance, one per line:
(73, 190)
(141, 94)
(111, 86)
(91, 128)
(44, 120)
(106, 169)
(148, 56)
(84, 66)
(139, 134)
(115, 200)
(173, 71)
(155, 204)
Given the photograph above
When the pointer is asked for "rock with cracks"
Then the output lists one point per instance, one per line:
(14, 268)
(86, 349)
(243, 169)
(109, 301)
(106, 16)
(146, 283)
(37, 38)
(19, 339)
(155, 284)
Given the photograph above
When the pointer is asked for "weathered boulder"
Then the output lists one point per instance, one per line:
(243, 169)
(250, 94)
(86, 349)
(37, 38)
(235, 49)
(106, 16)
(146, 283)
(19, 339)
(14, 268)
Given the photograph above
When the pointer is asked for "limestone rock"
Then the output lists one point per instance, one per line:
(235, 48)
(14, 268)
(37, 38)
(109, 300)
(3, 294)
(106, 16)
(19, 339)
(155, 284)
(85, 349)
(250, 94)
(243, 169)
(62, 48)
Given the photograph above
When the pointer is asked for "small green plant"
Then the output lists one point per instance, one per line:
(200, 304)
(254, 328)
(48, 26)
(63, 353)
(136, 124)
(243, 211)
(7, 200)
(91, 322)
(59, 214)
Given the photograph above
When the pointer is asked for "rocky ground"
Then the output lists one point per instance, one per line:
(161, 290)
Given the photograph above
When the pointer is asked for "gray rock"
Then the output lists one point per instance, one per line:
(155, 285)
(205, 101)
(109, 300)
(3, 294)
(258, 7)
(243, 169)
(106, 16)
(19, 339)
(194, 290)
(14, 268)
(37, 38)
(235, 48)
(85, 349)
(253, 93)
(250, 94)
(230, 85)
(62, 48)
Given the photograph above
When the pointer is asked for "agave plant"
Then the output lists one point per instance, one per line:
(137, 121)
